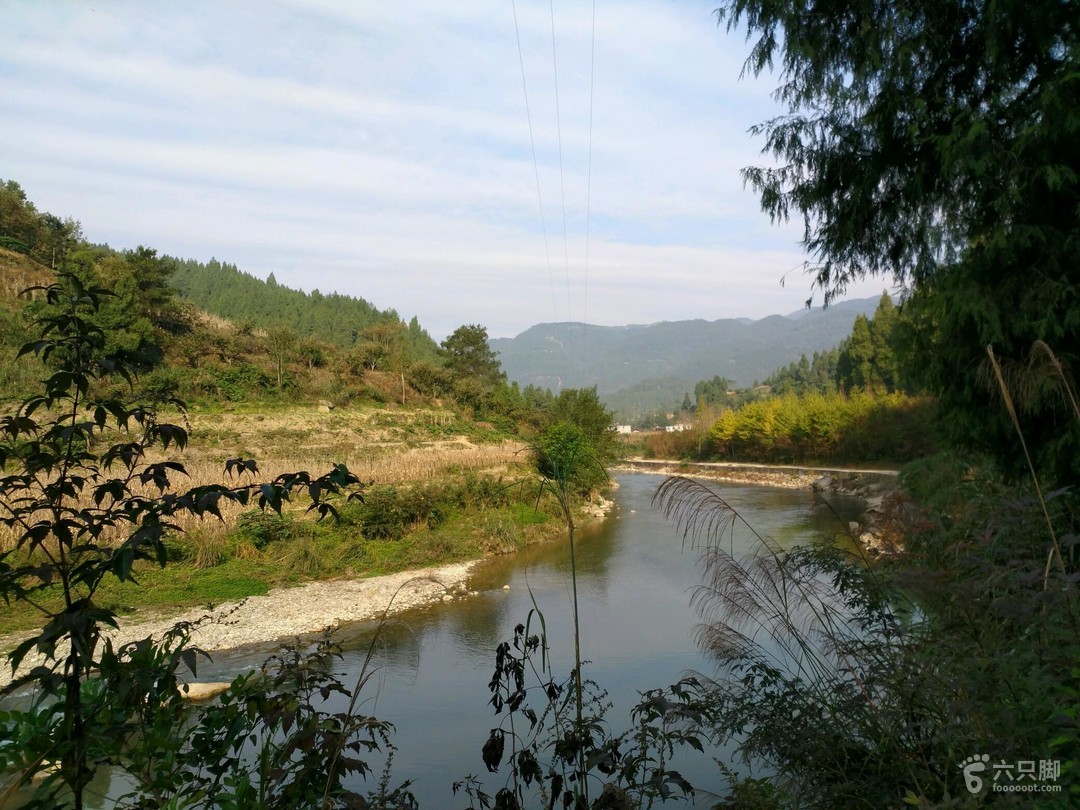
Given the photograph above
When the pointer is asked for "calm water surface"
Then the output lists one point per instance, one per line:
(635, 580)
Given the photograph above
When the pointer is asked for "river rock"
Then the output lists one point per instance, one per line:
(203, 691)
(823, 483)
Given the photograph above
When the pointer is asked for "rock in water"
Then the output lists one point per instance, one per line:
(203, 691)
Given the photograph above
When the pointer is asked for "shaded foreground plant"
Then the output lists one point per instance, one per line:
(860, 686)
(86, 503)
(558, 753)
(271, 741)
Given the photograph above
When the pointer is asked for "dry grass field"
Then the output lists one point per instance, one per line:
(380, 445)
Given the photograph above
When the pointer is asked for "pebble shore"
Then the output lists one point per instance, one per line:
(311, 608)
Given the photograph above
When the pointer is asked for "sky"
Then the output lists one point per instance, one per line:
(411, 153)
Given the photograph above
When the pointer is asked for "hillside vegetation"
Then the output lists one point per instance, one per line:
(222, 289)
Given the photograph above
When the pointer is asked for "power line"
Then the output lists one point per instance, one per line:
(588, 192)
(536, 169)
(562, 184)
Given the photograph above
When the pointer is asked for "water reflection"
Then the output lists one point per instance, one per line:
(635, 580)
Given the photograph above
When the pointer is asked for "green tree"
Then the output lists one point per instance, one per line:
(883, 336)
(59, 237)
(45, 236)
(428, 378)
(936, 143)
(141, 315)
(282, 343)
(579, 412)
(856, 368)
(382, 344)
(712, 392)
(19, 221)
(467, 354)
(311, 352)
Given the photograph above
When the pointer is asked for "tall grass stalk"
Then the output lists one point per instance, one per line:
(801, 637)
(1011, 408)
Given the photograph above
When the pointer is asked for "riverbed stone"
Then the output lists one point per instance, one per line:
(204, 690)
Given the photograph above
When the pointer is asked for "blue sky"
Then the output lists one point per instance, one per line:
(382, 149)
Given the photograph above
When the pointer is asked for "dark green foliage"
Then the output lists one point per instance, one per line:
(562, 454)
(271, 741)
(428, 378)
(549, 748)
(263, 528)
(141, 313)
(236, 383)
(712, 392)
(857, 683)
(856, 368)
(391, 512)
(11, 243)
(916, 131)
(952, 325)
(817, 375)
(467, 355)
(23, 229)
(868, 359)
(338, 320)
(576, 441)
(582, 408)
(936, 143)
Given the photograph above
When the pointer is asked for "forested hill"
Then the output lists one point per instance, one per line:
(640, 368)
(223, 290)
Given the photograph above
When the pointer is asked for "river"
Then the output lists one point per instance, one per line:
(635, 580)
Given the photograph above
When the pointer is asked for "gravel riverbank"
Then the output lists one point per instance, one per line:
(310, 608)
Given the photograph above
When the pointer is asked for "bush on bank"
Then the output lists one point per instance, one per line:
(827, 427)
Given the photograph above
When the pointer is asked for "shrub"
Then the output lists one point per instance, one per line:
(263, 528)
(389, 512)
(206, 548)
(238, 382)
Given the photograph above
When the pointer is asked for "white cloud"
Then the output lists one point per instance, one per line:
(383, 150)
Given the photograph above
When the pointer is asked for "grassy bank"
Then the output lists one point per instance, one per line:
(397, 528)
(436, 493)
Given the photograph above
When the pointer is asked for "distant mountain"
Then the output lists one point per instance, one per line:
(641, 368)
